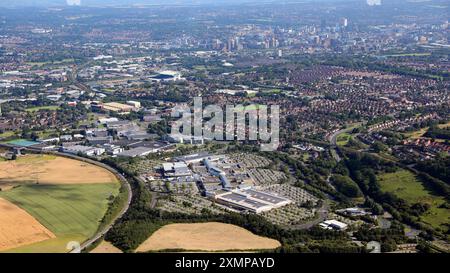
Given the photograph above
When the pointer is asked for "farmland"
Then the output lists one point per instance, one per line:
(47, 169)
(210, 236)
(67, 197)
(13, 219)
(71, 212)
(406, 186)
(106, 247)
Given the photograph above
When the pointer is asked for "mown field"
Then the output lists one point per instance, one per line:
(343, 139)
(405, 185)
(35, 109)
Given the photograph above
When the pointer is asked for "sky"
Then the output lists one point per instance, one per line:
(128, 2)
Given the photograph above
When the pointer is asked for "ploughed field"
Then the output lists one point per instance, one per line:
(65, 197)
(210, 236)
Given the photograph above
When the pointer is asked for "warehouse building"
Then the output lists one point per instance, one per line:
(250, 200)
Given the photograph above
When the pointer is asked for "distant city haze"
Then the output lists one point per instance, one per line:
(147, 2)
(374, 2)
(73, 2)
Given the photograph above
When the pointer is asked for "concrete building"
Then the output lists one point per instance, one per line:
(176, 169)
(250, 200)
(333, 224)
(85, 150)
(135, 152)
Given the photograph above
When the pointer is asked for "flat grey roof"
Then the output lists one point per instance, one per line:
(264, 196)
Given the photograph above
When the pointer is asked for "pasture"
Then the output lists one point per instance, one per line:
(405, 185)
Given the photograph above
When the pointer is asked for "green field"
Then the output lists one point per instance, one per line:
(405, 185)
(343, 139)
(409, 54)
(35, 109)
(7, 134)
(71, 212)
(64, 61)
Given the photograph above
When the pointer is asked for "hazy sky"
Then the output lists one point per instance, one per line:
(130, 2)
(73, 2)
(99, 2)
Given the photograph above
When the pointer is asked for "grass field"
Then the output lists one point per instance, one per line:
(7, 134)
(343, 139)
(210, 236)
(71, 212)
(419, 133)
(406, 186)
(410, 54)
(35, 109)
(416, 134)
(64, 61)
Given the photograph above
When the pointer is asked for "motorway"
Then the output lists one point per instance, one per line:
(333, 141)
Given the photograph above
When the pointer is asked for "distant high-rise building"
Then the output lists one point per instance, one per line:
(344, 22)
(73, 2)
(373, 2)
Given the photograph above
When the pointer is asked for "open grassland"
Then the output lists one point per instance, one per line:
(106, 247)
(18, 228)
(343, 139)
(40, 64)
(211, 236)
(416, 134)
(405, 185)
(47, 169)
(71, 212)
(7, 134)
(419, 133)
(38, 108)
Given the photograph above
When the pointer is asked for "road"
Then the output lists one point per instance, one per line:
(323, 215)
(333, 141)
(334, 136)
